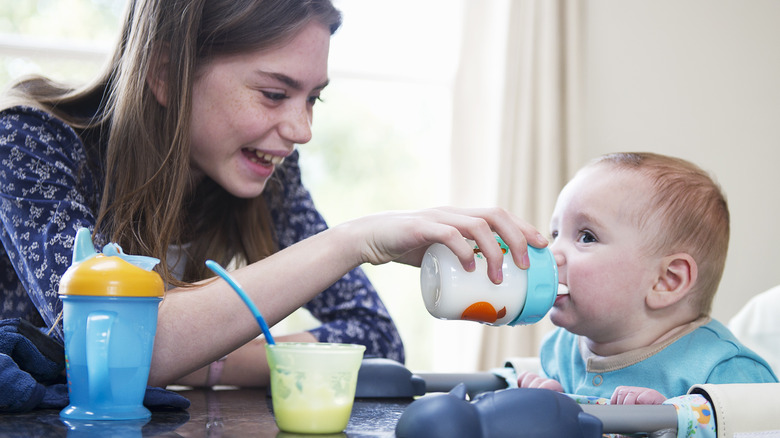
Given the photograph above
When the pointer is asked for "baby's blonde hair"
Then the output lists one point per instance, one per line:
(687, 213)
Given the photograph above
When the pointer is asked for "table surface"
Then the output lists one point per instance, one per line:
(220, 413)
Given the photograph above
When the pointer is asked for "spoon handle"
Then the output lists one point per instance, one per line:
(219, 270)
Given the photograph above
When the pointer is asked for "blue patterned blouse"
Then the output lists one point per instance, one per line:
(47, 193)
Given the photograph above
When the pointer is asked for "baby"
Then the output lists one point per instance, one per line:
(640, 240)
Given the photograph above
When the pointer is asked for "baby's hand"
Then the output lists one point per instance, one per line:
(636, 395)
(531, 380)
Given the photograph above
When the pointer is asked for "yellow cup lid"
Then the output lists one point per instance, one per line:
(103, 275)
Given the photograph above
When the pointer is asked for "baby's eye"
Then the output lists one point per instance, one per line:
(554, 235)
(587, 237)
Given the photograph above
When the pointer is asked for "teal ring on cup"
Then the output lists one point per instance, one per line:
(542, 286)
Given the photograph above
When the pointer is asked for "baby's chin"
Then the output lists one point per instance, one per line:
(561, 310)
(563, 317)
(558, 317)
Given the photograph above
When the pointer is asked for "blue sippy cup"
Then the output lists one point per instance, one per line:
(110, 305)
(524, 296)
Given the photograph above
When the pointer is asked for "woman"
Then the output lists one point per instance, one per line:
(184, 149)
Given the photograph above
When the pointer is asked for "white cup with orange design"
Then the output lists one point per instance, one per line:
(523, 297)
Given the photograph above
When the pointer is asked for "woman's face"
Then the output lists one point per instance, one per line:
(250, 110)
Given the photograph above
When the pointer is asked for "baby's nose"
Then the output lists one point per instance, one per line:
(559, 259)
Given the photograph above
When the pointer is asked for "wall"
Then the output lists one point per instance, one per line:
(699, 79)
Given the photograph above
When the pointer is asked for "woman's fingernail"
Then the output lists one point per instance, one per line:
(499, 277)
(471, 266)
(526, 261)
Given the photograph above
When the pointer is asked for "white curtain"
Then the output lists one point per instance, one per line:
(516, 125)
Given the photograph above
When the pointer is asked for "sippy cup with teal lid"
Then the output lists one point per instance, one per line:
(110, 305)
(523, 297)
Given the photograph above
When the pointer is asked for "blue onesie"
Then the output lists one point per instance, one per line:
(704, 351)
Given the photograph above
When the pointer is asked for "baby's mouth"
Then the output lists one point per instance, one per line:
(260, 157)
(563, 293)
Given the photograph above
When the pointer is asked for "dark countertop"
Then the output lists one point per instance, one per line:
(220, 413)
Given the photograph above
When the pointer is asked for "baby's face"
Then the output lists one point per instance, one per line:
(600, 253)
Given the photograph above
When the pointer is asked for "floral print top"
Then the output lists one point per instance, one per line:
(47, 192)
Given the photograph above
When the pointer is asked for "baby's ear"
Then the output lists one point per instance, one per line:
(676, 278)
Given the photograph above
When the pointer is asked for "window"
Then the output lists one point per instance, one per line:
(66, 40)
(381, 136)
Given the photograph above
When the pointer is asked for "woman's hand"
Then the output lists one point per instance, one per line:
(404, 236)
(530, 380)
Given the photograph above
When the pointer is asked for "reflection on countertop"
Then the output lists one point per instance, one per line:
(225, 412)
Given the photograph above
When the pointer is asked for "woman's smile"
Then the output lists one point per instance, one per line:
(260, 157)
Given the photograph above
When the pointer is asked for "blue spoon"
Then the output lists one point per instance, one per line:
(219, 270)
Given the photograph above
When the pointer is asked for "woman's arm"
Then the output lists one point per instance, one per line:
(246, 366)
(350, 312)
(200, 325)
